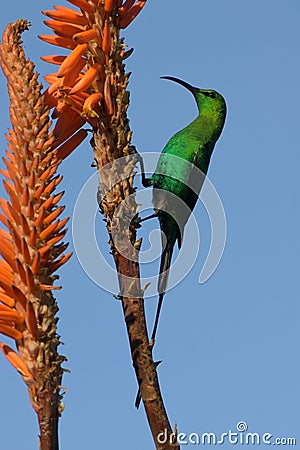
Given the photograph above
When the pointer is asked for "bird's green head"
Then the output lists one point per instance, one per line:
(209, 102)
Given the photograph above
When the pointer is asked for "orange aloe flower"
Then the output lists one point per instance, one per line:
(31, 246)
(83, 83)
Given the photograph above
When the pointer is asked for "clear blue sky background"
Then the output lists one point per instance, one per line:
(230, 347)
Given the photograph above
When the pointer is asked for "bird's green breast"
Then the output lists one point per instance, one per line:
(191, 146)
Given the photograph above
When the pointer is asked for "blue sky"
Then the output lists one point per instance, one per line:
(230, 346)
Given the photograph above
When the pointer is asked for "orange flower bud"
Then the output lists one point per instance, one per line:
(68, 147)
(49, 287)
(53, 215)
(15, 360)
(91, 103)
(54, 59)
(36, 263)
(125, 7)
(7, 300)
(60, 262)
(31, 320)
(85, 36)
(48, 230)
(131, 14)
(10, 332)
(58, 40)
(63, 29)
(10, 316)
(106, 41)
(107, 98)
(83, 5)
(108, 6)
(66, 15)
(72, 59)
(87, 79)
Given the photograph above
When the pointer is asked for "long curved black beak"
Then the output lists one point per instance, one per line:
(188, 86)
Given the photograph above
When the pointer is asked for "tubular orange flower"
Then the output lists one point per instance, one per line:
(61, 261)
(67, 124)
(5, 236)
(25, 195)
(42, 213)
(54, 59)
(131, 14)
(63, 29)
(7, 300)
(85, 36)
(8, 314)
(51, 91)
(36, 263)
(19, 297)
(30, 214)
(109, 5)
(29, 279)
(10, 332)
(83, 4)
(125, 7)
(61, 224)
(8, 255)
(56, 239)
(87, 79)
(24, 224)
(72, 59)
(69, 146)
(67, 15)
(106, 41)
(48, 231)
(55, 213)
(39, 191)
(15, 360)
(49, 287)
(58, 40)
(59, 109)
(53, 200)
(107, 98)
(31, 320)
(75, 102)
(21, 271)
(91, 105)
(32, 236)
(25, 252)
(75, 74)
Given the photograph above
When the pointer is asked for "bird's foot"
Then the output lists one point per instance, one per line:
(135, 222)
(138, 397)
(146, 182)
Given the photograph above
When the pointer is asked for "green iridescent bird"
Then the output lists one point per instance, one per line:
(180, 173)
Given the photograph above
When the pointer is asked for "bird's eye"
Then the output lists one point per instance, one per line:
(212, 94)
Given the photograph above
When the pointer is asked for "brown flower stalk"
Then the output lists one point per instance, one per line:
(90, 85)
(31, 247)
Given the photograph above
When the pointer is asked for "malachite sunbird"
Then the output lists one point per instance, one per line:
(176, 183)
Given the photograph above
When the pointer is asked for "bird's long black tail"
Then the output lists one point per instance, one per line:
(162, 286)
(162, 282)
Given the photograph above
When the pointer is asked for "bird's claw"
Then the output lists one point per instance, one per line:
(136, 222)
